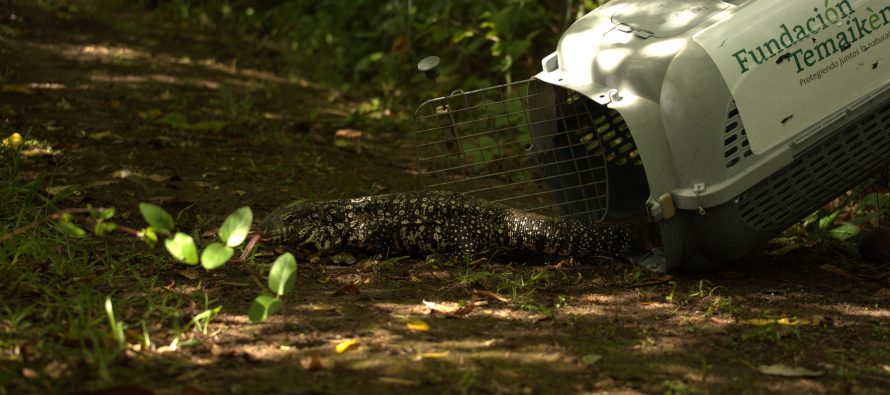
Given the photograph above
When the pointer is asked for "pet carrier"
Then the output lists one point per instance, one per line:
(724, 121)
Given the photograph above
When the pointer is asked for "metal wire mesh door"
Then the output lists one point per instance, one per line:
(538, 150)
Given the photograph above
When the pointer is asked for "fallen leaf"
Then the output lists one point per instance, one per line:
(29, 373)
(655, 281)
(777, 321)
(418, 326)
(20, 89)
(493, 295)
(348, 289)
(63, 104)
(343, 258)
(784, 249)
(7, 110)
(452, 312)
(788, 371)
(105, 135)
(882, 293)
(398, 381)
(57, 189)
(433, 355)
(349, 133)
(591, 359)
(347, 345)
(835, 270)
(312, 363)
(238, 192)
(190, 273)
(149, 114)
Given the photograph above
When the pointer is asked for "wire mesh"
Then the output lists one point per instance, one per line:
(544, 151)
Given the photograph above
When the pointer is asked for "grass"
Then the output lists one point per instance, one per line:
(74, 306)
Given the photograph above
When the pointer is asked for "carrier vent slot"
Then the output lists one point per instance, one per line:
(735, 140)
(819, 174)
(549, 152)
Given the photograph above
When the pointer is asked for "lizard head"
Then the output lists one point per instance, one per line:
(302, 223)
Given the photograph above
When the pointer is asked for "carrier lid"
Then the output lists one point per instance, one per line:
(666, 18)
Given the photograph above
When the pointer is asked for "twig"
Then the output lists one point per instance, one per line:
(656, 281)
(55, 217)
(52, 217)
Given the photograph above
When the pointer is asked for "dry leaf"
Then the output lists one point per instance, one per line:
(312, 363)
(655, 281)
(347, 345)
(398, 381)
(834, 269)
(190, 273)
(56, 189)
(105, 135)
(493, 295)
(882, 293)
(591, 359)
(349, 134)
(433, 355)
(418, 326)
(29, 373)
(452, 312)
(343, 258)
(788, 371)
(14, 88)
(348, 289)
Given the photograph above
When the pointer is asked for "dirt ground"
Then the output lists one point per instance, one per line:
(100, 93)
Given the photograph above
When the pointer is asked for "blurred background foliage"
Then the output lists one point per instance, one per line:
(370, 48)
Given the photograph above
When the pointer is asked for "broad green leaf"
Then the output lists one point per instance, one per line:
(215, 255)
(159, 219)
(72, 230)
(183, 248)
(844, 231)
(103, 228)
(262, 307)
(69, 227)
(827, 220)
(234, 229)
(106, 213)
(283, 274)
(149, 236)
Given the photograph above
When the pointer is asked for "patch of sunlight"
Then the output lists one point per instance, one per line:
(664, 48)
(859, 311)
(608, 60)
(112, 52)
(45, 85)
(681, 18)
(159, 78)
(544, 357)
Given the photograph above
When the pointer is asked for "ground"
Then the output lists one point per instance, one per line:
(118, 114)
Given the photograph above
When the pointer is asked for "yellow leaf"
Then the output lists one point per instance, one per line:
(13, 141)
(433, 355)
(346, 345)
(13, 88)
(418, 326)
(793, 321)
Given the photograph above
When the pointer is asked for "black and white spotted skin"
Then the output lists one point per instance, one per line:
(439, 223)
